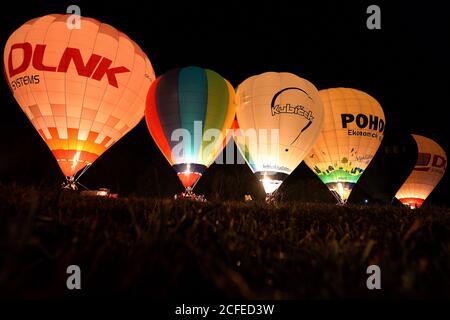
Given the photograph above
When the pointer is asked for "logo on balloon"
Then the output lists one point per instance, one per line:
(363, 121)
(292, 109)
(423, 162)
(97, 67)
(288, 108)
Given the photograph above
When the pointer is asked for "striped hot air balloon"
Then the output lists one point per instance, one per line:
(82, 89)
(184, 107)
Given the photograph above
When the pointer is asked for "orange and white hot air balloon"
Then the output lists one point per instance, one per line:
(428, 171)
(82, 89)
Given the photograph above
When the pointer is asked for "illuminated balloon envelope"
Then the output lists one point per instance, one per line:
(428, 171)
(82, 89)
(352, 132)
(188, 113)
(280, 116)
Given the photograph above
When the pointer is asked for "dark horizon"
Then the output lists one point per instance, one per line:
(402, 66)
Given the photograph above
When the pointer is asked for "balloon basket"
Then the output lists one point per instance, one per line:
(189, 195)
(272, 198)
(72, 184)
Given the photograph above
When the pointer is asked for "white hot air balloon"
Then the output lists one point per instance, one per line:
(280, 116)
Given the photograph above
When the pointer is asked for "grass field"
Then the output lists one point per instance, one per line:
(161, 248)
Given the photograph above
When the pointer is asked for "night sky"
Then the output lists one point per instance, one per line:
(404, 66)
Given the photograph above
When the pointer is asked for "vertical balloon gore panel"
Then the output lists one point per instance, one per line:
(279, 116)
(428, 171)
(352, 132)
(82, 89)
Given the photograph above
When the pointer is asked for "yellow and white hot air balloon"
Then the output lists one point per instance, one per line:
(280, 116)
(352, 132)
(428, 171)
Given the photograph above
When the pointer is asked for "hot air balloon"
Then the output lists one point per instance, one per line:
(428, 171)
(280, 116)
(82, 89)
(388, 170)
(352, 132)
(187, 109)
